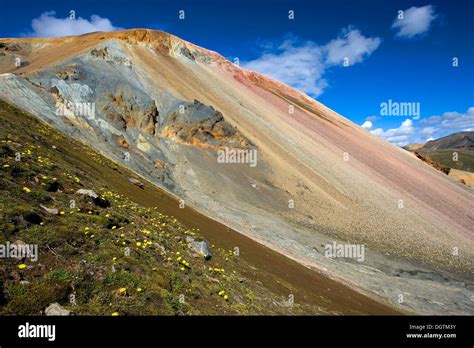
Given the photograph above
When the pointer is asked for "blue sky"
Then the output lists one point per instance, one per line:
(406, 60)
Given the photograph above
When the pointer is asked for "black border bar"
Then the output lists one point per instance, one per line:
(260, 330)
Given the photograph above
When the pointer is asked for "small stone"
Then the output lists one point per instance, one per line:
(50, 210)
(202, 248)
(136, 182)
(89, 193)
(56, 309)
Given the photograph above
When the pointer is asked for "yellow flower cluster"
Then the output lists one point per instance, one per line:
(223, 294)
(144, 244)
(219, 270)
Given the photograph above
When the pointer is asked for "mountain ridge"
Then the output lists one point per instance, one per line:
(459, 140)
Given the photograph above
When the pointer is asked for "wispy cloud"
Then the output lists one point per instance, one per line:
(449, 122)
(47, 25)
(302, 65)
(372, 118)
(414, 21)
(433, 127)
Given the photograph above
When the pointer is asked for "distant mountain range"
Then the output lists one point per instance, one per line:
(454, 151)
(456, 141)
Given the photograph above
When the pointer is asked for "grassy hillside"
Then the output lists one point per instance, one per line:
(464, 162)
(443, 151)
(82, 247)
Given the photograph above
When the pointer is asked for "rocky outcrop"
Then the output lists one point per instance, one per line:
(202, 126)
(127, 110)
(121, 141)
(432, 163)
(68, 73)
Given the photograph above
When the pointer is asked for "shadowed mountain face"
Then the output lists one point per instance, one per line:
(457, 141)
(166, 109)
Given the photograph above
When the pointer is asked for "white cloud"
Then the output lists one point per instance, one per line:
(367, 125)
(47, 25)
(303, 66)
(399, 136)
(415, 21)
(353, 46)
(433, 127)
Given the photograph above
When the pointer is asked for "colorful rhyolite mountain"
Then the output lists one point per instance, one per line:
(164, 107)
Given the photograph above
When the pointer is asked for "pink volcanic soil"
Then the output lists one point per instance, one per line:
(386, 164)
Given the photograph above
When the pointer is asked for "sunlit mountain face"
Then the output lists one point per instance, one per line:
(286, 159)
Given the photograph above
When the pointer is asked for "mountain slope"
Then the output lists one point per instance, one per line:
(82, 249)
(164, 107)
